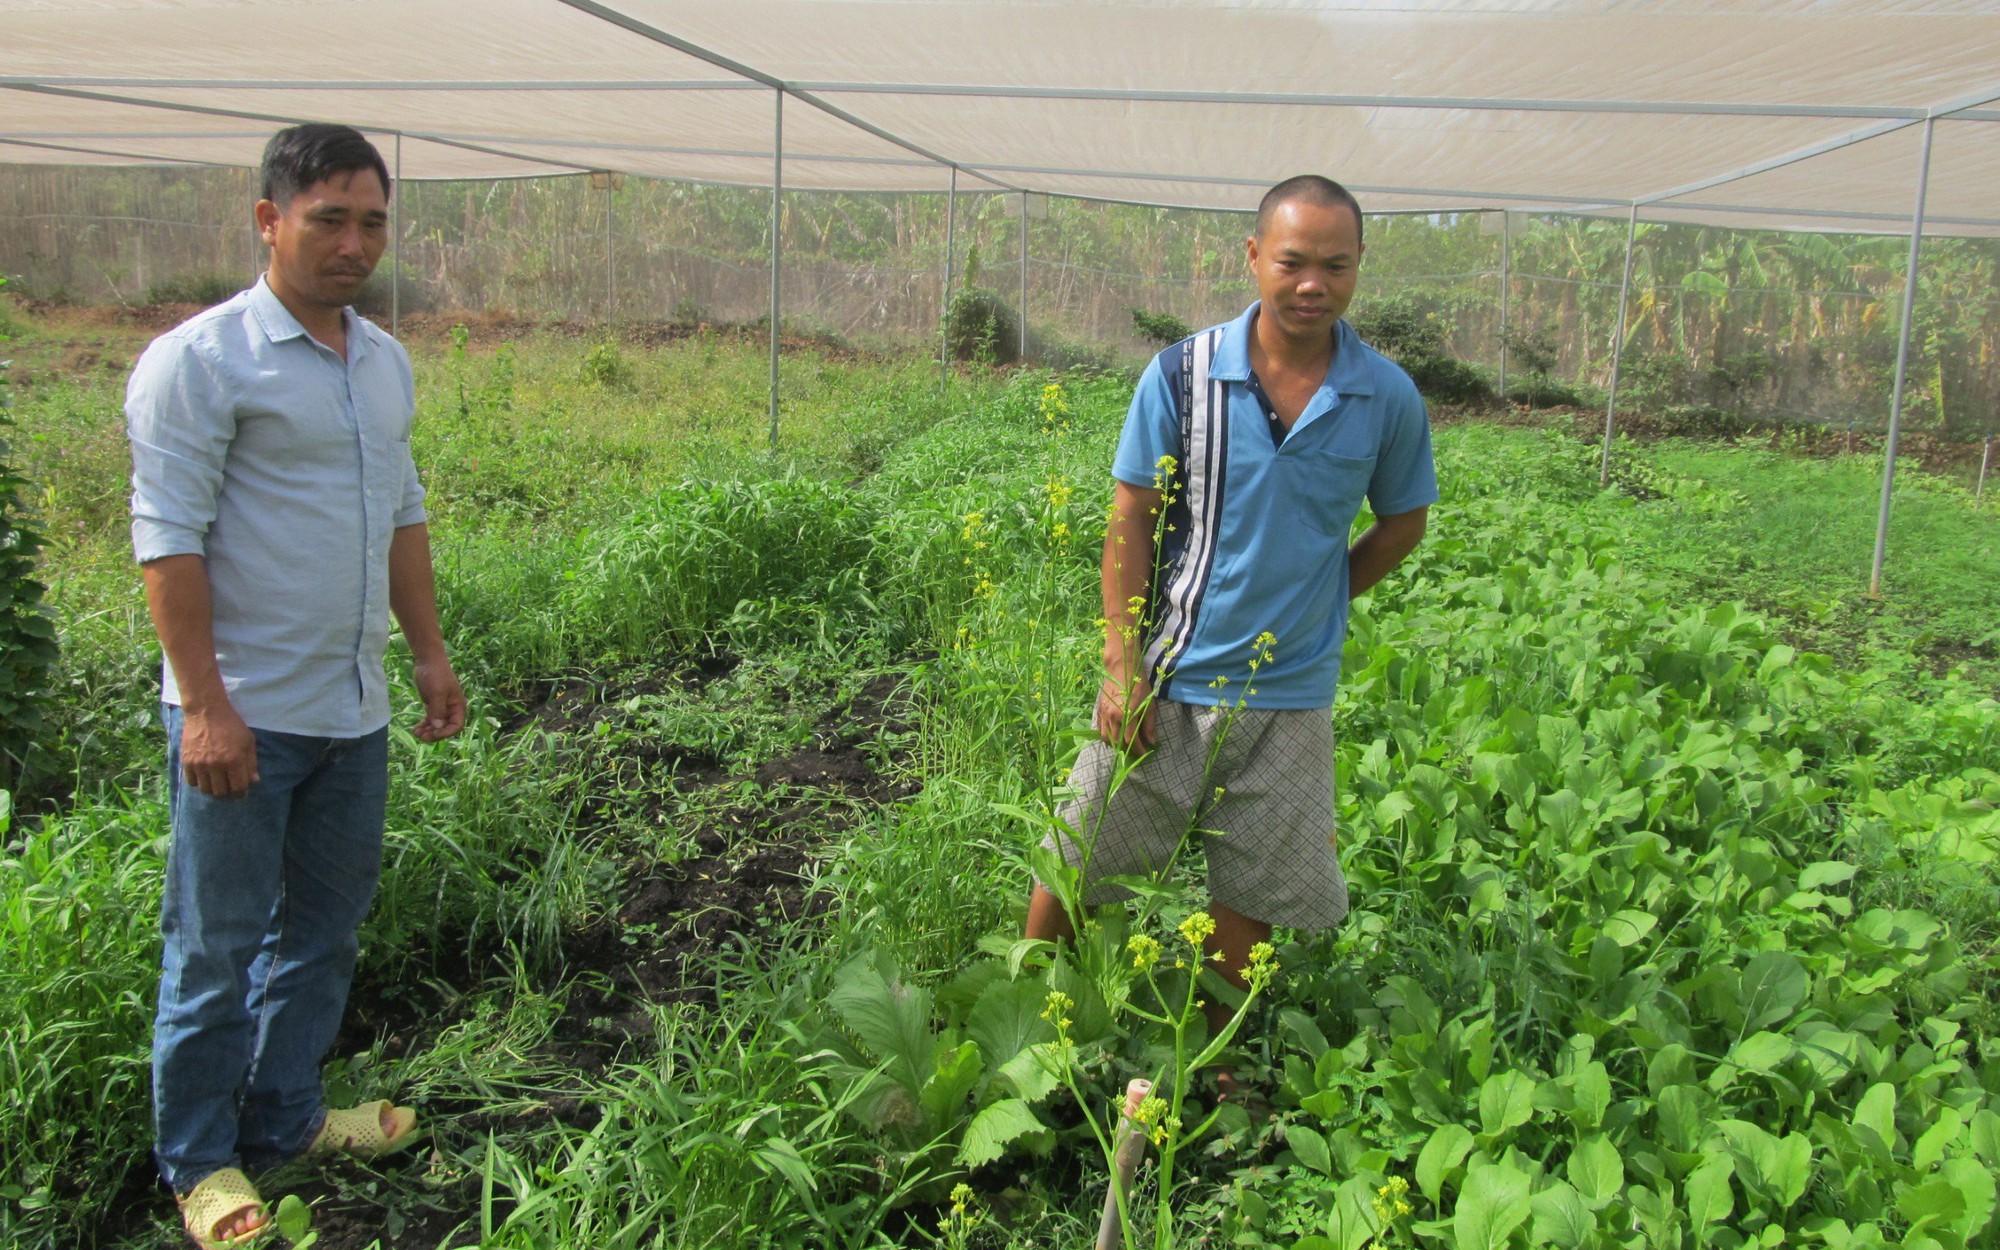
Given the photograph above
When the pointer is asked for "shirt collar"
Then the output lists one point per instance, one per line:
(279, 324)
(1348, 375)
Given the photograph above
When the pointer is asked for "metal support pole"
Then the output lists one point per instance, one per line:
(396, 244)
(610, 296)
(1985, 464)
(950, 263)
(256, 252)
(1506, 281)
(1902, 363)
(1618, 346)
(777, 206)
(1024, 275)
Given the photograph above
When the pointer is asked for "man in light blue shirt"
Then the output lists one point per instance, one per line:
(1247, 454)
(279, 522)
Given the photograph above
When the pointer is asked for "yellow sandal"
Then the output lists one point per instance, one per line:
(220, 1196)
(358, 1131)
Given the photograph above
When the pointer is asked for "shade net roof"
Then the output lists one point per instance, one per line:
(1786, 114)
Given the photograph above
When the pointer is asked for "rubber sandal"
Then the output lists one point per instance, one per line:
(358, 1131)
(217, 1197)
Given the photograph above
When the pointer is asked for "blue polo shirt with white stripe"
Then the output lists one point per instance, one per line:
(1258, 529)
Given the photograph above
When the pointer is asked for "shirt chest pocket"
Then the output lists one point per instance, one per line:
(1327, 489)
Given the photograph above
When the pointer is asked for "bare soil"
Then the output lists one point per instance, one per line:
(752, 869)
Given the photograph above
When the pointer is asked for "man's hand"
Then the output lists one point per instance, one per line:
(444, 701)
(1125, 715)
(218, 752)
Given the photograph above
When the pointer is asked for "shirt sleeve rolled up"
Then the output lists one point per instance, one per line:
(181, 419)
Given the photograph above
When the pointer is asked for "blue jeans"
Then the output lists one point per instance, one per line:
(263, 897)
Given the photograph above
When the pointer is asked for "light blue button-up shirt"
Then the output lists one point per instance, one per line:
(288, 469)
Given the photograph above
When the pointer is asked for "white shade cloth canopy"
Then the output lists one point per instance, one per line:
(1780, 114)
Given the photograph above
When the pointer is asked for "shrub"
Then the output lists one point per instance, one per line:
(1159, 329)
(27, 632)
(1535, 351)
(1414, 333)
(980, 325)
(373, 300)
(203, 289)
(604, 365)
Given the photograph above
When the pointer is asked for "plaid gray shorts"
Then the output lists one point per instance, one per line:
(1253, 785)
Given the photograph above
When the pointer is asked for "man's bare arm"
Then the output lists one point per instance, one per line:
(1127, 574)
(218, 752)
(413, 598)
(1386, 544)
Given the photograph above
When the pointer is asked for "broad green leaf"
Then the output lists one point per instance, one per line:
(1491, 1205)
(1931, 1143)
(892, 1020)
(1986, 1138)
(1933, 1203)
(1448, 1146)
(1630, 926)
(944, 1094)
(1561, 1218)
(1773, 987)
(1353, 1222)
(1310, 1148)
(1976, 1185)
(1592, 1087)
(1709, 1197)
(1682, 1116)
(1762, 1052)
(1596, 1170)
(1506, 1101)
(1792, 1170)
(987, 1136)
(1007, 1019)
(1875, 1117)
(1825, 873)
(1315, 1242)
(1035, 1072)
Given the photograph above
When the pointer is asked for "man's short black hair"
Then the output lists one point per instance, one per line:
(299, 156)
(1313, 189)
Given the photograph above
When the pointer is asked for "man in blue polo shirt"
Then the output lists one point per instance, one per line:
(1227, 574)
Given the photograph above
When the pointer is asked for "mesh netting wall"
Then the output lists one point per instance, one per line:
(1722, 325)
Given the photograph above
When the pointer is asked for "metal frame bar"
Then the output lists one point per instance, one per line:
(645, 30)
(1023, 354)
(950, 272)
(396, 244)
(1672, 108)
(42, 146)
(1506, 282)
(203, 110)
(610, 288)
(1618, 345)
(1902, 363)
(1677, 108)
(777, 241)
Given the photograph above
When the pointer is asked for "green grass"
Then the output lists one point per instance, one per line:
(1796, 536)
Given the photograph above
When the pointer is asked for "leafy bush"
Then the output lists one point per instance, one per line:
(605, 365)
(1535, 351)
(27, 631)
(1160, 329)
(386, 286)
(981, 326)
(203, 289)
(1415, 334)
